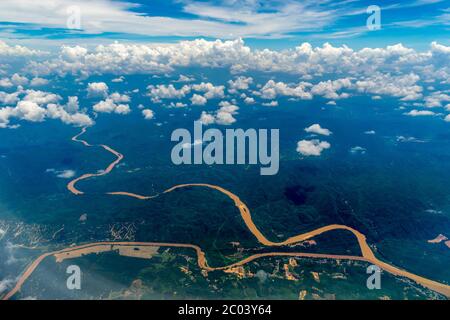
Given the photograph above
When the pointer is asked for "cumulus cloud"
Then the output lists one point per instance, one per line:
(148, 114)
(119, 98)
(19, 80)
(17, 51)
(404, 87)
(329, 89)
(419, 113)
(206, 118)
(15, 80)
(36, 106)
(317, 129)
(5, 83)
(72, 118)
(391, 71)
(183, 78)
(30, 111)
(97, 89)
(41, 97)
(249, 100)
(159, 92)
(303, 60)
(72, 104)
(177, 105)
(312, 147)
(109, 106)
(9, 98)
(38, 82)
(198, 100)
(273, 103)
(436, 99)
(223, 116)
(118, 79)
(273, 89)
(240, 83)
(210, 91)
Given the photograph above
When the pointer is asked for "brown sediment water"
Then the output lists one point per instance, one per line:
(367, 254)
(131, 195)
(119, 157)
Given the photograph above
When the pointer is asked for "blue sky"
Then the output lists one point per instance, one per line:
(271, 24)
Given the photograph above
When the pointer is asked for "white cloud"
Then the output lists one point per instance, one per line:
(210, 91)
(108, 106)
(16, 51)
(358, 150)
(41, 97)
(6, 83)
(19, 80)
(97, 89)
(118, 79)
(219, 20)
(317, 129)
(329, 89)
(30, 111)
(205, 118)
(223, 116)
(418, 113)
(183, 78)
(9, 98)
(5, 115)
(240, 83)
(436, 99)
(198, 100)
(66, 174)
(167, 92)
(72, 104)
(404, 87)
(148, 114)
(273, 89)
(177, 105)
(36, 106)
(73, 53)
(38, 82)
(122, 109)
(393, 70)
(273, 103)
(73, 117)
(249, 100)
(119, 98)
(312, 147)
(447, 118)
(409, 139)
(15, 80)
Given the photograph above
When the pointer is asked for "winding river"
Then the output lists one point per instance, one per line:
(367, 254)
